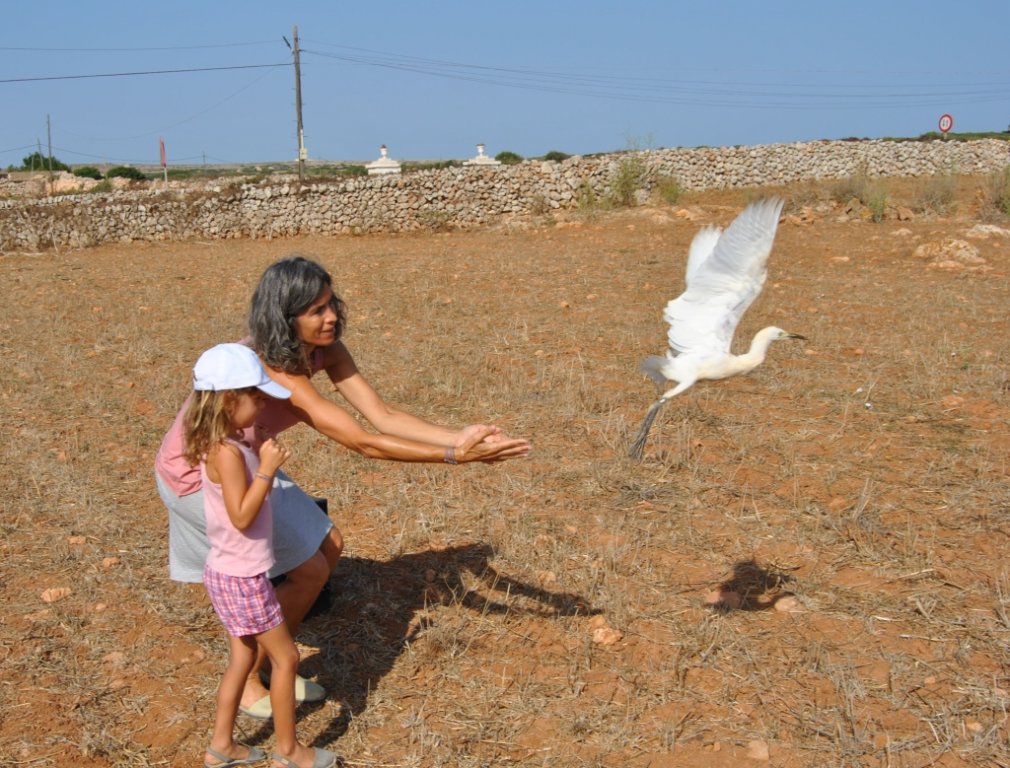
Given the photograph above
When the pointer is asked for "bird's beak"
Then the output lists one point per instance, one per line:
(795, 336)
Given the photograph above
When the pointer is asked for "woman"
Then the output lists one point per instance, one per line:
(295, 325)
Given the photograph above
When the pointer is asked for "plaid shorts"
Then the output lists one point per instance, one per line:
(246, 605)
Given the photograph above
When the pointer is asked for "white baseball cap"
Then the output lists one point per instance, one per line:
(234, 366)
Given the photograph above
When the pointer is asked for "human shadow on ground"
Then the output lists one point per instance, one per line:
(751, 587)
(374, 615)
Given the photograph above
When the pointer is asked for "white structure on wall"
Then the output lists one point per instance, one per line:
(481, 158)
(383, 164)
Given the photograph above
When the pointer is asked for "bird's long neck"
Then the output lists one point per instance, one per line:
(754, 356)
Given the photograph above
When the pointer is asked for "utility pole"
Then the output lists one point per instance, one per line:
(298, 106)
(49, 139)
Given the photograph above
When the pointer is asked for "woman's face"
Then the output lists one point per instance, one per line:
(245, 408)
(317, 325)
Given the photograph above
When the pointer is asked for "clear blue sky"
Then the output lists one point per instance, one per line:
(433, 79)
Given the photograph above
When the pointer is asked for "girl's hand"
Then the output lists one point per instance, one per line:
(272, 455)
(479, 442)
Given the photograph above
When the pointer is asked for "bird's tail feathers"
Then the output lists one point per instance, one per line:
(652, 366)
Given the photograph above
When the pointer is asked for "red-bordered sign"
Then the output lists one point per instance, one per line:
(946, 123)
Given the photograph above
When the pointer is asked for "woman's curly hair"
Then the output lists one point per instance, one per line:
(287, 288)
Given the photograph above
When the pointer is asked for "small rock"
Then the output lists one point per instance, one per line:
(758, 750)
(788, 604)
(606, 636)
(603, 633)
(54, 594)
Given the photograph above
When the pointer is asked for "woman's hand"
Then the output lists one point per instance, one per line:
(479, 442)
(495, 435)
(272, 455)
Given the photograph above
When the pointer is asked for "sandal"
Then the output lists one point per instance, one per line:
(323, 758)
(256, 755)
(305, 690)
(261, 710)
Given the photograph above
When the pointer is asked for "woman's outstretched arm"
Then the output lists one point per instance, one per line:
(387, 419)
(409, 438)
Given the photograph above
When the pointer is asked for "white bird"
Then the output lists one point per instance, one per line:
(725, 273)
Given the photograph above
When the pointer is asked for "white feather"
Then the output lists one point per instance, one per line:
(729, 274)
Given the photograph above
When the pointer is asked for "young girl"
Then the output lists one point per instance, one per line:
(230, 389)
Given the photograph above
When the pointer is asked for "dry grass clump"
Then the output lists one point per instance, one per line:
(937, 194)
(995, 195)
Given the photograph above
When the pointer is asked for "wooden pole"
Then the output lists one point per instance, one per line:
(49, 140)
(298, 106)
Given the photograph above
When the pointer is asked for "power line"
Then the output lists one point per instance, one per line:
(144, 49)
(148, 72)
(774, 95)
(162, 129)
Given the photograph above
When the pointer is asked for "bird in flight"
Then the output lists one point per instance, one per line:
(725, 273)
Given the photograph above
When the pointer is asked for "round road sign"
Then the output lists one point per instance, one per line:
(946, 123)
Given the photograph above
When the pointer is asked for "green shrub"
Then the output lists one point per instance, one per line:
(669, 189)
(628, 177)
(555, 156)
(36, 161)
(435, 220)
(508, 158)
(423, 165)
(586, 199)
(877, 203)
(88, 172)
(126, 172)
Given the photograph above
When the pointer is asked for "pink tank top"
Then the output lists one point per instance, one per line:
(184, 479)
(234, 552)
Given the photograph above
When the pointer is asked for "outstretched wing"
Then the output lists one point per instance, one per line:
(722, 284)
(701, 248)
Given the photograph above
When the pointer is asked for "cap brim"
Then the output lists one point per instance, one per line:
(274, 389)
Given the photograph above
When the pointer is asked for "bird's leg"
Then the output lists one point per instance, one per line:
(638, 446)
(643, 432)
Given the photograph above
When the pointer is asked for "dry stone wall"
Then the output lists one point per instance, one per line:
(464, 197)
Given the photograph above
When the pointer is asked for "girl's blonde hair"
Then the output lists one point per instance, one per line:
(208, 421)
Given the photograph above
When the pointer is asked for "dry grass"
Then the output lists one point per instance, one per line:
(863, 476)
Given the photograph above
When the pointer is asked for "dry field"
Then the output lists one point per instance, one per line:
(808, 568)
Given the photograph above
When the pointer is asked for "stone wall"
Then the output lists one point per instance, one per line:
(464, 197)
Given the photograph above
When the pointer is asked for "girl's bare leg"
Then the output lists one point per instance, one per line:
(241, 656)
(283, 655)
(296, 594)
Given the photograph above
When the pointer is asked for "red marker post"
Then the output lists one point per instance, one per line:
(946, 123)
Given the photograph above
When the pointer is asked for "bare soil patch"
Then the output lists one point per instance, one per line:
(808, 568)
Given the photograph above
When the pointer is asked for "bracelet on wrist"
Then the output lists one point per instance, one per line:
(264, 476)
(450, 455)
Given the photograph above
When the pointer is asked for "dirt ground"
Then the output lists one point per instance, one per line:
(807, 568)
